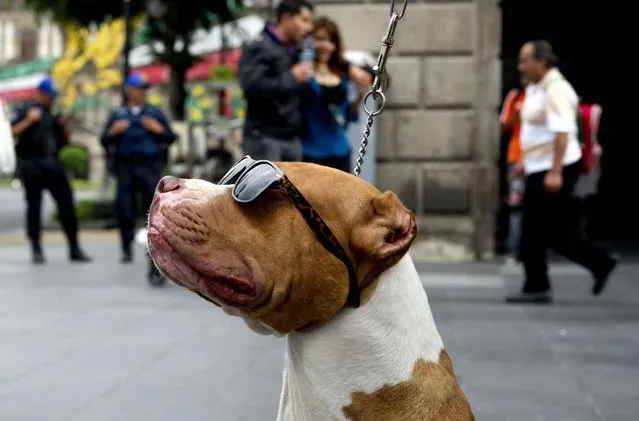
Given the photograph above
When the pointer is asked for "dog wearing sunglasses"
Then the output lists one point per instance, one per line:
(321, 257)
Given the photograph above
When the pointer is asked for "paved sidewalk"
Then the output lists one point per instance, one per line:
(96, 343)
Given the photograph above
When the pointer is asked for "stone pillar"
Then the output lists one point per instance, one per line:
(437, 141)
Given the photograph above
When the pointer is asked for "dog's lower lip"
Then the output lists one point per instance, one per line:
(229, 289)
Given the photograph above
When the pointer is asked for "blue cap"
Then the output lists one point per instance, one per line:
(47, 86)
(136, 80)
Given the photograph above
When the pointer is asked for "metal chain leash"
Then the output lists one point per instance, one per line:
(375, 93)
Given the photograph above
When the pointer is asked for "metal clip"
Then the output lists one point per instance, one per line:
(375, 93)
(400, 14)
(384, 53)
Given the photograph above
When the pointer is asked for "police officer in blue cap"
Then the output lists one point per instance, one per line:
(40, 135)
(138, 135)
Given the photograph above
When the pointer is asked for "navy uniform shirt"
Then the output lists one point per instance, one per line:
(136, 141)
(43, 139)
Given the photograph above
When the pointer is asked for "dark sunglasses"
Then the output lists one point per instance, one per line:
(252, 178)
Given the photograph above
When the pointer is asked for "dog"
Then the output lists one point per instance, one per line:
(319, 256)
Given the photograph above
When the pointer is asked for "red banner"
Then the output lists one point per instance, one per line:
(158, 74)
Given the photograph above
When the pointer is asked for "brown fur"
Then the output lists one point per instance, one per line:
(431, 394)
(302, 284)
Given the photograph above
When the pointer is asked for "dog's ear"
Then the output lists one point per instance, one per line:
(388, 233)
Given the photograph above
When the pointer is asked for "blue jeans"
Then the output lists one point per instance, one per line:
(515, 216)
(514, 231)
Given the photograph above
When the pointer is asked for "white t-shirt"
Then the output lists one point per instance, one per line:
(550, 107)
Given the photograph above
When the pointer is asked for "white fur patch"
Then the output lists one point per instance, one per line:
(360, 349)
(205, 192)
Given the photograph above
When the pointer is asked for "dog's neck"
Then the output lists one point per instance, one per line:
(360, 349)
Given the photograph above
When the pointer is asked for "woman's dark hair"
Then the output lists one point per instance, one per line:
(336, 63)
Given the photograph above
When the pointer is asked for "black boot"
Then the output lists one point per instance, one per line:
(127, 255)
(77, 255)
(37, 257)
(601, 276)
(155, 277)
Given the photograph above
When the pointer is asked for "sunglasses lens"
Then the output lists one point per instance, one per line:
(255, 182)
(236, 170)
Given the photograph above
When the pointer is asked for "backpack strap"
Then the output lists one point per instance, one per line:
(580, 129)
(594, 122)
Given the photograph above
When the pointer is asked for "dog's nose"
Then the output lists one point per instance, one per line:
(168, 184)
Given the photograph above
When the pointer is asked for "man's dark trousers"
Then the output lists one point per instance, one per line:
(134, 175)
(39, 174)
(549, 221)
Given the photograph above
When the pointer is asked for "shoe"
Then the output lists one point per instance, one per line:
(156, 279)
(79, 256)
(154, 276)
(601, 277)
(127, 256)
(37, 258)
(544, 297)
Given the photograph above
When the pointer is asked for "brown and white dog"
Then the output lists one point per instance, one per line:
(383, 361)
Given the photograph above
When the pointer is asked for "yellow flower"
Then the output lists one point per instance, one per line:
(196, 114)
(205, 103)
(90, 88)
(198, 90)
(155, 99)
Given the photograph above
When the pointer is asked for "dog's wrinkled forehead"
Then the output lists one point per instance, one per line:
(329, 188)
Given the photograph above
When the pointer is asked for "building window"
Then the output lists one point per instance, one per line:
(28, 44)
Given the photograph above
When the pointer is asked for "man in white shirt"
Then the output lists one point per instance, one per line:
(551, 164)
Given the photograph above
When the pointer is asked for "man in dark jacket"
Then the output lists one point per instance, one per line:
(270, 77)
(39, 136)
(137, 135)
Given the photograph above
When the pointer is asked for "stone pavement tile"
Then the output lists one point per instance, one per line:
(617, 407)
(608, 380)
(540, 378)
(206, 377)
(504, 405)
(96, 343)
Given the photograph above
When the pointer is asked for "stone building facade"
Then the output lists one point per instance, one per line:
(438, 139)
(25, 38)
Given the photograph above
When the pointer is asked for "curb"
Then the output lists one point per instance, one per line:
(422, 251)
(18, 238)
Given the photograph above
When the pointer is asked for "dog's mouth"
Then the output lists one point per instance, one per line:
(213, 287)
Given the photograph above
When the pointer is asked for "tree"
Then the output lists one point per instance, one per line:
(171, 25)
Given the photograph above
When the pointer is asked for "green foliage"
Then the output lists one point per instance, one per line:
(83, 11)
(91, 210)
(221, 73)
(97, 209)
(180, 20)
(76, 161)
